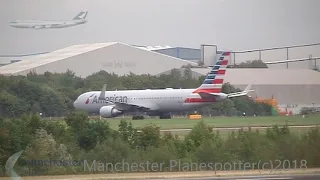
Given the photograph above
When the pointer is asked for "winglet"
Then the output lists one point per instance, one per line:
(103, 92)
(248, 88)
(242, 93)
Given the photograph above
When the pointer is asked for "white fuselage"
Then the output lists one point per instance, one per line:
(42, 24)
(158, 100)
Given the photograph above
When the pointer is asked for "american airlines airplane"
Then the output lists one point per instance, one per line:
(46, 24)
(159, 102)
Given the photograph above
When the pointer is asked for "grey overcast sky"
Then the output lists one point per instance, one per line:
(230, 24)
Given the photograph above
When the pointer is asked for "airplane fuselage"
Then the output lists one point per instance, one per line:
(158, 100)
(36, 24)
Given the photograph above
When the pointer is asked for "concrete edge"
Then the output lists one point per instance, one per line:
(166, 175)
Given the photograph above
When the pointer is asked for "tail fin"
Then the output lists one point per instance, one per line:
(214, 80)
(81, 15)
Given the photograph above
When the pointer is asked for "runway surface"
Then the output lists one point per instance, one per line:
(237, 128)
(308, 174)
(275, 177)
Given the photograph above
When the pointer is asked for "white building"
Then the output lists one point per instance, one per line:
(87, 59)
(292, 88)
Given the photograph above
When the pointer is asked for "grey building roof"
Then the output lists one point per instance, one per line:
(54, 56)
(86, 59)
(182, 53)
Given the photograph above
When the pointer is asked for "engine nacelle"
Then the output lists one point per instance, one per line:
(109, 112)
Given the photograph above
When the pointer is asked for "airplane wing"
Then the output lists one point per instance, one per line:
(39, 26)
(131, 106)
(47, 25)
(127, 106)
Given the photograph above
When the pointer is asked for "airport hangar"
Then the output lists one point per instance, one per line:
(293, 88)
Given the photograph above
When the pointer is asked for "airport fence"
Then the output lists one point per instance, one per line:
(302, 56)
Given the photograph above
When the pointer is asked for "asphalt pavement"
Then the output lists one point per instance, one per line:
(260, 177)
(237, 128)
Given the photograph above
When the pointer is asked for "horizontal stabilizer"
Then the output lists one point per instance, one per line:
(209, 95)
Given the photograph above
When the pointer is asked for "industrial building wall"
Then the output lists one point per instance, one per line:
(278, 54)
(272, 76)
(287, 94)
(120, 59)
(295, 94)
(182, 53)
(194, 74)
(208, 54)
(294, 65)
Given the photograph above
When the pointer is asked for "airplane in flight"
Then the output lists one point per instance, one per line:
(159, 102)
(47, 24)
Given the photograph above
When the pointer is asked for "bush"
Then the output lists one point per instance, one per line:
(77, 139)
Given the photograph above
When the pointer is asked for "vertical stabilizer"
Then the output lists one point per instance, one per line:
(81, 15)
(214, 80)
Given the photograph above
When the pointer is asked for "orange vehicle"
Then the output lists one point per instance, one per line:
(274, 103)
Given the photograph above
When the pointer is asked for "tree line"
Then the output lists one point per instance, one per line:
(53, 94)
(77, 140)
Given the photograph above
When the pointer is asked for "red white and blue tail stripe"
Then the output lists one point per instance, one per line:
(214, 80)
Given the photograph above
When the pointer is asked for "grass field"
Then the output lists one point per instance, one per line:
(221, 122)
(225, 132)
(181, 123)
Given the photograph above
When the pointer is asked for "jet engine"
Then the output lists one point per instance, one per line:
(109, 112)
(39, 27)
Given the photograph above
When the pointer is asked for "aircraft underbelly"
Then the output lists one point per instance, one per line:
(95, 108)
(62, 26)
(191, 106)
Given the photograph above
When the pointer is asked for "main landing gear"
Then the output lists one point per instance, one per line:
(161, 116)
(165, 116)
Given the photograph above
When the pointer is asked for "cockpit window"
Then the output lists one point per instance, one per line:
(83, 96)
